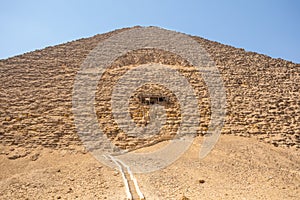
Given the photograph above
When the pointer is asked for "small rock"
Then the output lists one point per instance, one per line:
(34, 157)
(201, 181)
(70, 190)
(14, 156)
(116, 173)
(275, 143)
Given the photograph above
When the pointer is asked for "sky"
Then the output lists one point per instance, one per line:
(270, 27)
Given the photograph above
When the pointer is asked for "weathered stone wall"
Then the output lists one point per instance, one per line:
(130, 61)
(262, 94)
(36, 95)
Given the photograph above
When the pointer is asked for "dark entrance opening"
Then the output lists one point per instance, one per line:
(153, 99)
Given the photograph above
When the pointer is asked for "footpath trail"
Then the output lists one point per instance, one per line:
(132, 189)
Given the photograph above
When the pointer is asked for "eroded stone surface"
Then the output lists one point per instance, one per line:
(36, 94)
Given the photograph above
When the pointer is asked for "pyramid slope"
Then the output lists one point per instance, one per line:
(36, 93)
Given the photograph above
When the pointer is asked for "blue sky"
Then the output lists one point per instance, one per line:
(264, 26)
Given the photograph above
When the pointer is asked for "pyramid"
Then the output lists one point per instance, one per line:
(262, 95)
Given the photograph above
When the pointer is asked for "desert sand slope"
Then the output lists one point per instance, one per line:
(237, 168)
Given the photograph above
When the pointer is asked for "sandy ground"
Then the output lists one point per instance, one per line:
(237, 168)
